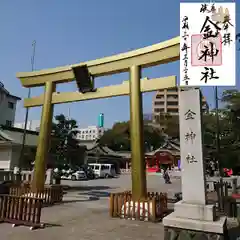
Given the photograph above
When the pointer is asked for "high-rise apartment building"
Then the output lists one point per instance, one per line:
(166, 101)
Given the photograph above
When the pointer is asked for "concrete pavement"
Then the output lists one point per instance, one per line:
(84, 214)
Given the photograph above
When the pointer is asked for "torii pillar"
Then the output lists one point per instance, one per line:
(43, 139)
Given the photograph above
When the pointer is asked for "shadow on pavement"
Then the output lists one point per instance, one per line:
(85, 188)
(97, 194)
(81, 200)
(75, 200)
(50, 225)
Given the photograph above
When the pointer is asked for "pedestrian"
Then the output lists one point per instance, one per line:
(166, 176)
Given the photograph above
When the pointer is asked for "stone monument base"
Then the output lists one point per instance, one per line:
(193, 221)
(195, 211)
(179, 227)
(171, 233)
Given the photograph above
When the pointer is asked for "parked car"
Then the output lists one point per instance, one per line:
(79, 175)
(103, 170)
(66, 173)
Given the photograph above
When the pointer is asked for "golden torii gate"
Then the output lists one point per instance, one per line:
(132, 62)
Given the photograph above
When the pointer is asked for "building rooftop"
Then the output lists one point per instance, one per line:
(11, 135)
(7, 92)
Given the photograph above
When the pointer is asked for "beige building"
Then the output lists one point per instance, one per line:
(11, 144)
(166, 102)
(8, 104)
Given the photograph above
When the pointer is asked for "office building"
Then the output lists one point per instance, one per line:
(90, 133)
(8, 104)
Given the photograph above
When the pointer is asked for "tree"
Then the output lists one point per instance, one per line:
(169, 124)
(228, 130)
(64, 145)
(231, 98)
(153, 137)
(118, 138)
(238, 38)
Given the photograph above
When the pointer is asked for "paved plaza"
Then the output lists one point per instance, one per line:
(84, 214)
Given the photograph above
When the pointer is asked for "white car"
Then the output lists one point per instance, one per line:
(78, 175)
(103, 170)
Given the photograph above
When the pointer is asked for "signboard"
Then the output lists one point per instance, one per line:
(192, 165)
(207, 44)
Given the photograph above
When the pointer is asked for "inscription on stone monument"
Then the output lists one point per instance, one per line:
(193, 179)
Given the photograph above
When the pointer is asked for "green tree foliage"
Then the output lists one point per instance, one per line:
(169, 124)
(238, 39)
(118, 138)
(229, 130)
(64, 145)
(232, 100)
(230, 139)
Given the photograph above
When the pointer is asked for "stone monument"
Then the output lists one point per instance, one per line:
(192, 216)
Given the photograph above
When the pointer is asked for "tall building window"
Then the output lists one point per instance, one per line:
(172, 90)
(172, 103)
(172, 96)
(11, 105)
(172, 110)
(8, 123)
(157, 110)
(160, 96)
(159, 103)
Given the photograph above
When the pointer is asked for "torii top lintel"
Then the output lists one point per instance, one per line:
(164, 52)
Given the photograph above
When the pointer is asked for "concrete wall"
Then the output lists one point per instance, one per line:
(16, 151)
(9, 157)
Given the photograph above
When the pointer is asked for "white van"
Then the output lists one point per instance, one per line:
(103, 170)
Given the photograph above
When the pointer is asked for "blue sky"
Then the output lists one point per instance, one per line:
(73, 31)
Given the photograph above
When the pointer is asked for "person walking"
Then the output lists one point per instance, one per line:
(166, 176)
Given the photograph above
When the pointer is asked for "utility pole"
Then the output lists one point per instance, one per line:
(69, 113)
(217, 132)
(27, 109)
